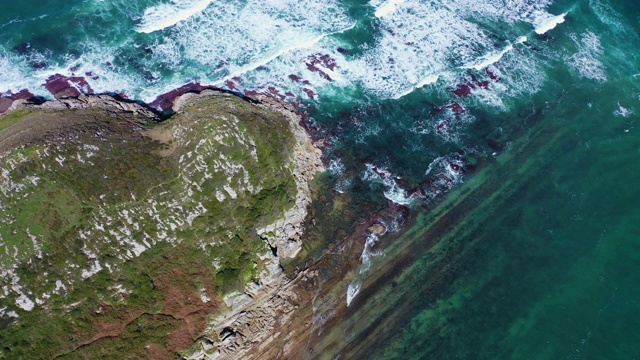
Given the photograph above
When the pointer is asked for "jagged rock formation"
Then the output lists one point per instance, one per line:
(104, 102)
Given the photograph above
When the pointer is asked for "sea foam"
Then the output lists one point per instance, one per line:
(162, 16)
(585, 62)
(544, 22)
(256, 45)
(387, 7)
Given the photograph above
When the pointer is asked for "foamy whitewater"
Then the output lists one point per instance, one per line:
(263, 43)
(164, 15)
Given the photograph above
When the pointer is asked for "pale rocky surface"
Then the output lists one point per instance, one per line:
(286, 233)
(85, 102)
(255, 317)
(308, 163)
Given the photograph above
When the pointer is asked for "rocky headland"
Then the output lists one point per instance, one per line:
(145, 237)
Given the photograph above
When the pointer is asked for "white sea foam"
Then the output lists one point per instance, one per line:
(622, 111)
(417, 44)
(352, 290)
(263, 43)
(233, 39)
(421, 41)
(393, 192)
(336, 167)
(164, 15)
(303, 44)
(397, 194)
(450, 166)
(492, 58)
(585, 62)
(368, 253)
(488, 59)
(544, 22)
(426, 81)
(387, 7)
(420, 44)
(608, 15)
(16, 73)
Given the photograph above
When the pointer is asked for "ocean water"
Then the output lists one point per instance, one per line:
(410, 97)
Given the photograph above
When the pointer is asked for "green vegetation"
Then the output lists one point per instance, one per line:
(11, 119)
(122, 233)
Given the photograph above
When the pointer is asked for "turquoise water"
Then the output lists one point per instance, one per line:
(417, 90)
(545, 268)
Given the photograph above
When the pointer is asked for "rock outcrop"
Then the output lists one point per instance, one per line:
(105, 102)
(286, 233)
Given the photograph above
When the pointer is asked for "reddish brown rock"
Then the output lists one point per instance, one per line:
(7, 99)
(309, 93)
(164, 101)
(61, 86)
(323, 60)
(493, 75)
(462, 90)
(455, 107)
(5, 103)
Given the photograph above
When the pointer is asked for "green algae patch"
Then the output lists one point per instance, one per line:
(123, 232)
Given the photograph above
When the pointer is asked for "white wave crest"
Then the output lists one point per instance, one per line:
(16, 74)
(544, 22)
(352, 290)
(393, 191)
(162, 16)
(387, 7)
(276, 44)
(622, 111)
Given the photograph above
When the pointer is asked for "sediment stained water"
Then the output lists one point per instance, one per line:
(526, 112)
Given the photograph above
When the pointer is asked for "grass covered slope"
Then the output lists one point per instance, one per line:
(118, 233)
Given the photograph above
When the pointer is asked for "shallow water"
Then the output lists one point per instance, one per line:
(412, 89)
(543, 267)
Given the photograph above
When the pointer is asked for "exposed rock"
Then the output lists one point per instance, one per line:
(254, 318)
(377, 229)
(251, 316)
(7, 99)
(116, 153)
(86, 102)
(61, 86)
(168, 101)
(285, 234)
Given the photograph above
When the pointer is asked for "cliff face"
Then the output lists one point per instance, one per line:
(129, 233)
